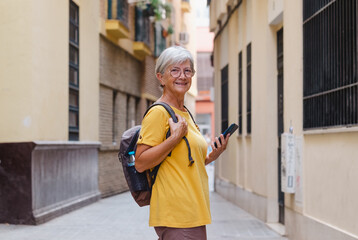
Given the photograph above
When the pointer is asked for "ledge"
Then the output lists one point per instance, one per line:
(116, 29)
(104, 148)
(66, 144)
(140, 50)
(331, 130)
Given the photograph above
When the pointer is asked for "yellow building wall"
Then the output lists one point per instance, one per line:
(241, 143)
(89, 70)
(330, 184)
(34, 79)
(231, 162)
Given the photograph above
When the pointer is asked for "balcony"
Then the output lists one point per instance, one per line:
(142, 33)
(185, 6)
(117, 22)
(140, 50)
(116, 29)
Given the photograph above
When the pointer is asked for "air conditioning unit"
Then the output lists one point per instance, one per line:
(183, 37)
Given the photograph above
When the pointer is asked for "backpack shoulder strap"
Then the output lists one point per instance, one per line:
(169, 110)
(166, 106)
(190, 115)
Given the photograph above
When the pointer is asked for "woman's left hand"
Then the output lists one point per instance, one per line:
(216, 151)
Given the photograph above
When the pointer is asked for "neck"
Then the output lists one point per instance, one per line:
(175, 101)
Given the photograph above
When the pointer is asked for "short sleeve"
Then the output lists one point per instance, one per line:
(154, 127)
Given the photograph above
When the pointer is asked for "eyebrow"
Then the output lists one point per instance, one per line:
(187, 68)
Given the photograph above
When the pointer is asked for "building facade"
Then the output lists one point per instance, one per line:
(49, 108)
(73, 76)
(286, 72)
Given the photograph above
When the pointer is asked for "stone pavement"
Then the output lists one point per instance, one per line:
(119, 218)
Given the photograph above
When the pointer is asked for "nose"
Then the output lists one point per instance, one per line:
(182, 74)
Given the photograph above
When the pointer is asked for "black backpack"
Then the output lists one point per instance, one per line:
(140, 184)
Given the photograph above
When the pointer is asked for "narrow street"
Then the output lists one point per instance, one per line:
(119, 218)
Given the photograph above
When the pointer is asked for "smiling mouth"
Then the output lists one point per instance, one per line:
(181, 83)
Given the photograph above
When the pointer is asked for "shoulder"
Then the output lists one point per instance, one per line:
(156, 116)
(157, 111)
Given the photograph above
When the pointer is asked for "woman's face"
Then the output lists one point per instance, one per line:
(177, 78)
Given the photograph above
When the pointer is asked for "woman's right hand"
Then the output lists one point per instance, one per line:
(179, 129)
(148, 157)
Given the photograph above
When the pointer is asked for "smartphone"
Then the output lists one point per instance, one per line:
(231, 129)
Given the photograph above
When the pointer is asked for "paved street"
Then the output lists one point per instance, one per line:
(119, 218)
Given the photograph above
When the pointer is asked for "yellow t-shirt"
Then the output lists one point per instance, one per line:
(180, 194)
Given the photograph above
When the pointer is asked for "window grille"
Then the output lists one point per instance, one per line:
(240, 94)
(330, 86)
(248, 88)
(224, 98)
(74, 72)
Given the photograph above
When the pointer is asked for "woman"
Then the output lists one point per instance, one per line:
(179, 207)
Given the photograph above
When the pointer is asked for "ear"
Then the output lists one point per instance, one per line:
(160, 78)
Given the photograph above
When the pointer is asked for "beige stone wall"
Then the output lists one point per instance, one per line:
(34, 74)
(247, 172)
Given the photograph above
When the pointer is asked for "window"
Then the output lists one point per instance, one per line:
(114, 117)
(128, 112)
(224, 98)
(109, 9)
(330, 86)
(132, 111)
(280, 103)
(142, 24)
(204, 124)
(248, 89)
(149, 103)
(204, 72)
(74, 73)
(240, 94)
(160, 43)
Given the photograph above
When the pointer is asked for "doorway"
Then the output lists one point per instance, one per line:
(280, 122)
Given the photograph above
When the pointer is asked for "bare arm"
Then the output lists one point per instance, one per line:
(148, 157)
(217, 151)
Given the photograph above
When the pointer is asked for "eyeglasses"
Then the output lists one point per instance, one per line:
(176, 72)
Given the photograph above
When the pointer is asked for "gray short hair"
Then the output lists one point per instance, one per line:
(172, 55)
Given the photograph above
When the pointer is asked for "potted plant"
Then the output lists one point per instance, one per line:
(156, 9)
